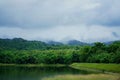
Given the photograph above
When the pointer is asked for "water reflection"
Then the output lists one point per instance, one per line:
(35, 73)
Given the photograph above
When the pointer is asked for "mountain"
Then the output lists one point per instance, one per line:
(21, 44)
(54, 43)
(76, 42)
(70, 42)
(108, 43)
(111, 42)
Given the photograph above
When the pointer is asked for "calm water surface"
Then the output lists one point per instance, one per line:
(35, 73)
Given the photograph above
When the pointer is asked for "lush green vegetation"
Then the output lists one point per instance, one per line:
(21, 51)
(21, 44)
(84, 77)
(100, 66)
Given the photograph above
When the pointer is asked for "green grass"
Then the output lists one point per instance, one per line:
(84, 77)
(99, 66)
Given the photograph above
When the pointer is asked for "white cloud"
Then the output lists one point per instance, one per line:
(85, 20)
(29, 13)
(62, 33)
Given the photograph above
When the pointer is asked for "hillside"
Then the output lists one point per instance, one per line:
(21, 44)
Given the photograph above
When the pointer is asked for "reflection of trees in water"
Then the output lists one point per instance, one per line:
(37, 72)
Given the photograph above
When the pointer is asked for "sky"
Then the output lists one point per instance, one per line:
(60, 20)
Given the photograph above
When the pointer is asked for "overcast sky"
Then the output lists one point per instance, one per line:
(60, 20)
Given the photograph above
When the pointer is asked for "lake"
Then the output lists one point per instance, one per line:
(36, 73)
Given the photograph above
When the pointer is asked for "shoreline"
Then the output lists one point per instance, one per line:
(34, 65)
(100, 67)
(96, 67)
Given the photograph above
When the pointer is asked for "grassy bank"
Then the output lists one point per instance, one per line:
(100, 66)
(84, 77)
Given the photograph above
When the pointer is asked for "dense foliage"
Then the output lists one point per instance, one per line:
(21, 51)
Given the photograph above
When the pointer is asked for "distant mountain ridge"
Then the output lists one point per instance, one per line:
(54, 43)
(70, 42)
(22, 44)
(76, 42)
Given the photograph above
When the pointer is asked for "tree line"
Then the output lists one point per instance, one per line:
(57, 54)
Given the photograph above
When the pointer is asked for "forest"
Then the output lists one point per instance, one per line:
(20, 51)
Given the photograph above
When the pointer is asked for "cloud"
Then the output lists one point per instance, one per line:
(86, 20)
(115, 34)
(63, 33)
(26, 13)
